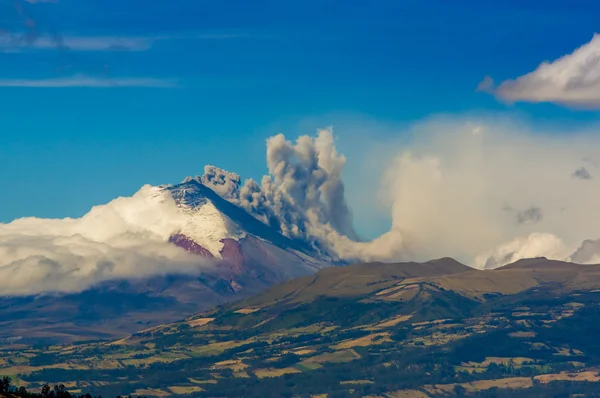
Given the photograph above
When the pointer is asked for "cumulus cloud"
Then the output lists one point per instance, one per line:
(587, 253)
(127, 238)
(572, 80)
(450, 190)
(531, 246)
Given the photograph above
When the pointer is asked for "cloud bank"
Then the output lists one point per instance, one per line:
(489, 191)
(127, 238)
(572, 80)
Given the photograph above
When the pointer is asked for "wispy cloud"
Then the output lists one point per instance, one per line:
(16, 42)
(572, 80)
(87, 81)
(78, 43)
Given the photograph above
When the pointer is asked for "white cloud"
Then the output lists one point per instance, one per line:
(531, 246)
(127, 238)
(450, 190)
(483, 190)
(87, 81)
(572, 80)
(18, 42)
(487, 191)
(98, 43)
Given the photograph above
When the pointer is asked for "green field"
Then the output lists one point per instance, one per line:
(353, 342)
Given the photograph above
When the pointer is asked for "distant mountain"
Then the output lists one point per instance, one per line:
(423, 330)
(246, 257)
(213, 220)
(249, 254)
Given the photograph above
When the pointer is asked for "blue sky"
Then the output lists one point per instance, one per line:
(237, 72)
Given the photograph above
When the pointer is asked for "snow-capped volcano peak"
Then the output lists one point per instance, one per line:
(211, 219)
(204, 224)
(143, 235)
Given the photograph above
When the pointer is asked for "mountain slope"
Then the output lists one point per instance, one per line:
(220, 219)
(230, 255)
(383, 330)
(354, 280)
(523, 275)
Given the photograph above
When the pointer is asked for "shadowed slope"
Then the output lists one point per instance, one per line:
(426, 327)
(523, 275)
(354, 280)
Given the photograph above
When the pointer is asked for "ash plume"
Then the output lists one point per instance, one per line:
(447, 193)
(462, 187)
(303, 195)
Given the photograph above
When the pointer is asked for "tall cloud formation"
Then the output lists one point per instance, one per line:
(487, 192)
(127, 238)
(572, 80)
(302, 196)
(450, 191)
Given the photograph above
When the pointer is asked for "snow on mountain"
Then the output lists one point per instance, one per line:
(143, 235)
(162, 254)
(202, 222)
(294, 222)
(210, 219)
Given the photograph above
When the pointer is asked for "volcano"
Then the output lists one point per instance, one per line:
(240, 256)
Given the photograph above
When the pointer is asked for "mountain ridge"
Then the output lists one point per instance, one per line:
(368, 329)
(191, 192)
(237, 256)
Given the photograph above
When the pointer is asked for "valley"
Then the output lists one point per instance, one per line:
(380, 330)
